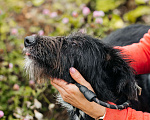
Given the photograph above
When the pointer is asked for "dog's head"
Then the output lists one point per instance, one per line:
(101, 65)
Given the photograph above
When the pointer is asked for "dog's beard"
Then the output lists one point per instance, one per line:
(30, 68)
(33, 70)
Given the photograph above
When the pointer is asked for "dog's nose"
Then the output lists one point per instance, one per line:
(29, 41)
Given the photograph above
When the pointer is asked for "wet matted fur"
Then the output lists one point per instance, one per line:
(100, 64)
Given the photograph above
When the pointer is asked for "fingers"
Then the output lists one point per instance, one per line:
(60, 89)
(79, 78)
(64, 94)
(61, 83)
(147, 36)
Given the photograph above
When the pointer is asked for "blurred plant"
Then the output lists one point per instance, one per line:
(98, 14)
(99, 20)
(24, 99)
(133, 15)
(53, 14)
(74, 14)
(65, 20)
(1, 114)
(86, 11)
(46, 12)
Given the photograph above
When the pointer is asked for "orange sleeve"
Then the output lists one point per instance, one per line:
(140, 54)
(126, 114)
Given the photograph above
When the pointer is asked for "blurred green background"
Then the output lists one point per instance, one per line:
(21, 98)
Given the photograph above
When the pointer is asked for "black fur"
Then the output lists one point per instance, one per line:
(127, 36)
(100, 64)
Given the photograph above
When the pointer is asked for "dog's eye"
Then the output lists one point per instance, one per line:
(74, 44)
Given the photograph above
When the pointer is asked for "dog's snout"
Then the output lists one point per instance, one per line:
(29, 41)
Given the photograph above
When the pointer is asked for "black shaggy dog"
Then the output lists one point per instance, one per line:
(100, 64)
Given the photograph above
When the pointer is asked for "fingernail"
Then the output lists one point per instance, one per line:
(72, 70)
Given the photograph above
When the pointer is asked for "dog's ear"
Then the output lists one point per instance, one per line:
(121, 76)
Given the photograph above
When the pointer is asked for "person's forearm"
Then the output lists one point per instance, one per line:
(126, 114)
(94, 110)
(140, 54)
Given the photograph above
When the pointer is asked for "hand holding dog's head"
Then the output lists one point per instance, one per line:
(101, 65)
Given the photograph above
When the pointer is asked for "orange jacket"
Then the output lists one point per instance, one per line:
(140, 53)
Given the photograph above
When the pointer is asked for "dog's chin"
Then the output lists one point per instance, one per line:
(34, 72)
(29, 67)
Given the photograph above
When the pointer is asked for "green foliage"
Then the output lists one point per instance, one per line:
(114, 23)
(37, 2)
(141, 1)
(107, 5)
(136, 13)
(21, 98)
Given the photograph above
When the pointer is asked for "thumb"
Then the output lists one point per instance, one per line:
(79, 78)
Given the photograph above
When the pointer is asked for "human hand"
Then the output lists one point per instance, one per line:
(71, 94)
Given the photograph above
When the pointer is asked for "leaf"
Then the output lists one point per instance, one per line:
(79, 2)
(37, 2)
(4, 28)
(140, 1)
(27, 91)
(115, 23)
(106, 5)
(138, 12)
(12, 23)
(34, 29)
